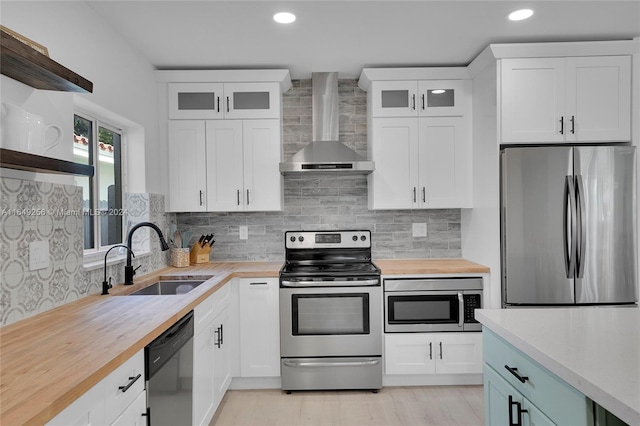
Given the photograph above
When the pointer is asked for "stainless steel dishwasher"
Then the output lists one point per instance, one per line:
(169, 375)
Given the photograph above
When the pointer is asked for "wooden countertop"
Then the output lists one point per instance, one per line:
(49, 360)
(429, 266)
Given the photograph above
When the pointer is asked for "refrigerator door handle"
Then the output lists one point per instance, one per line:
(569, 229)
(582, 225)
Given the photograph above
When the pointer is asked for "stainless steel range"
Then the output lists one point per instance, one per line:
(330, 312)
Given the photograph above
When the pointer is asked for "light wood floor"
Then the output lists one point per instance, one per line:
(414, 406)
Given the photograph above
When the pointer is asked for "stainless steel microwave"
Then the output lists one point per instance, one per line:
(432, 304)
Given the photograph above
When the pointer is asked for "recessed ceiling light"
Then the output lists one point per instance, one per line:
(284, 17)
(519, 15)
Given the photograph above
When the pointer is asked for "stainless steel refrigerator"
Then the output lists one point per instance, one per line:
(568, 225)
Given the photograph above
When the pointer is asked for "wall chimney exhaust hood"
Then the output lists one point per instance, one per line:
(326, 153)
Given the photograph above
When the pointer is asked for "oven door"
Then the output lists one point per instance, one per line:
(424, 311)
(331, 321)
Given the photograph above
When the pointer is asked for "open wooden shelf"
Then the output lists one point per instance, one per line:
(26, 65)
(17, 160)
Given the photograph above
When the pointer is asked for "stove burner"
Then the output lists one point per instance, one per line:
(341, 261)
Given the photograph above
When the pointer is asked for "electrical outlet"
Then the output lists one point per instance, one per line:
(419, 229)
(244, 232)
(38, 255)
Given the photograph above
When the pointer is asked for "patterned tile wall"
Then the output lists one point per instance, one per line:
(336, 201)
(38, 211)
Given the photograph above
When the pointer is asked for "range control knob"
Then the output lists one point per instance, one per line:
(363, 238)
(355, 238)
(292, 239)
(301, 238)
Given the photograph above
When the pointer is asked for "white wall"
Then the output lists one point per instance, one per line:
(123, 81)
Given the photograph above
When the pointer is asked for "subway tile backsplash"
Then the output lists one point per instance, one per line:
(327, 201)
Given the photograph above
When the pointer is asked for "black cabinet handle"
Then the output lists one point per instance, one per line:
(562, 125)
(413, 102)
(218, 342)
(430, 350)
(573, 124)
(440, 343)
(132, 380)
(514, 371)
(227, 104)
(519, 412)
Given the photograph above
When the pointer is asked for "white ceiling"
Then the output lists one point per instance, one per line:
(346, 36)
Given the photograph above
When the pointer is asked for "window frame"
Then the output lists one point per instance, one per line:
(95, 256)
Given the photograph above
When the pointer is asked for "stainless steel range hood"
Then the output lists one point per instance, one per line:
(326, 153)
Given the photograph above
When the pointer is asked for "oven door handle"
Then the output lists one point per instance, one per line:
(460, 310)
(358, 283)
(296, 364)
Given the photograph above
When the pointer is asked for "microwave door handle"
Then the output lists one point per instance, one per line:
(460, 310)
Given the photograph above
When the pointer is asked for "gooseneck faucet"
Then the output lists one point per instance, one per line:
(106, 285)
(129, 272)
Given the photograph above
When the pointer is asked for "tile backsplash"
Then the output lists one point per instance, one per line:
(328, 201)
(39, 211)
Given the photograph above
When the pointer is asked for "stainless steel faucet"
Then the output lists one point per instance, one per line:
(129, 271)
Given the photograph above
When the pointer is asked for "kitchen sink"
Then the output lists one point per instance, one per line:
(167, 287)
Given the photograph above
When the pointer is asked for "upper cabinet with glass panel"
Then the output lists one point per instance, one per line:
(224, 100)
(408, 98)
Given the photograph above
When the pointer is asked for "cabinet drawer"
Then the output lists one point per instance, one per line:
(116, 397)
(558, 400)
(206, 311)
(221, 299)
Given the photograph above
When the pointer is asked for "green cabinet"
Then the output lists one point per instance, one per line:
(519, 391)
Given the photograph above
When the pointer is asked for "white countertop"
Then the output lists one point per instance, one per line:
(594, 349)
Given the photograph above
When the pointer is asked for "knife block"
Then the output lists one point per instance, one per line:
(200, 254)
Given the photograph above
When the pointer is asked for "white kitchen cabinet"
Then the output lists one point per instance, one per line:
(242, 160)
(412, 98)
(558, 100)
(421, 163)
(259, 327)
(187, 166)
(221, 356)
(224, 165)
(433, 353)
(211, 355)
(203, 390)
(119, 394)
(134, 415)
(224, 100)
(547, 399)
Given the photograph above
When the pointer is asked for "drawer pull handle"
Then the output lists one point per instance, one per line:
(131, 382)
(514, 371)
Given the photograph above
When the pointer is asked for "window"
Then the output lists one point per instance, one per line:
(100, 145)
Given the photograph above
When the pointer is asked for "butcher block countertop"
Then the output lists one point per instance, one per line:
(429, 266)
(49, 360)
